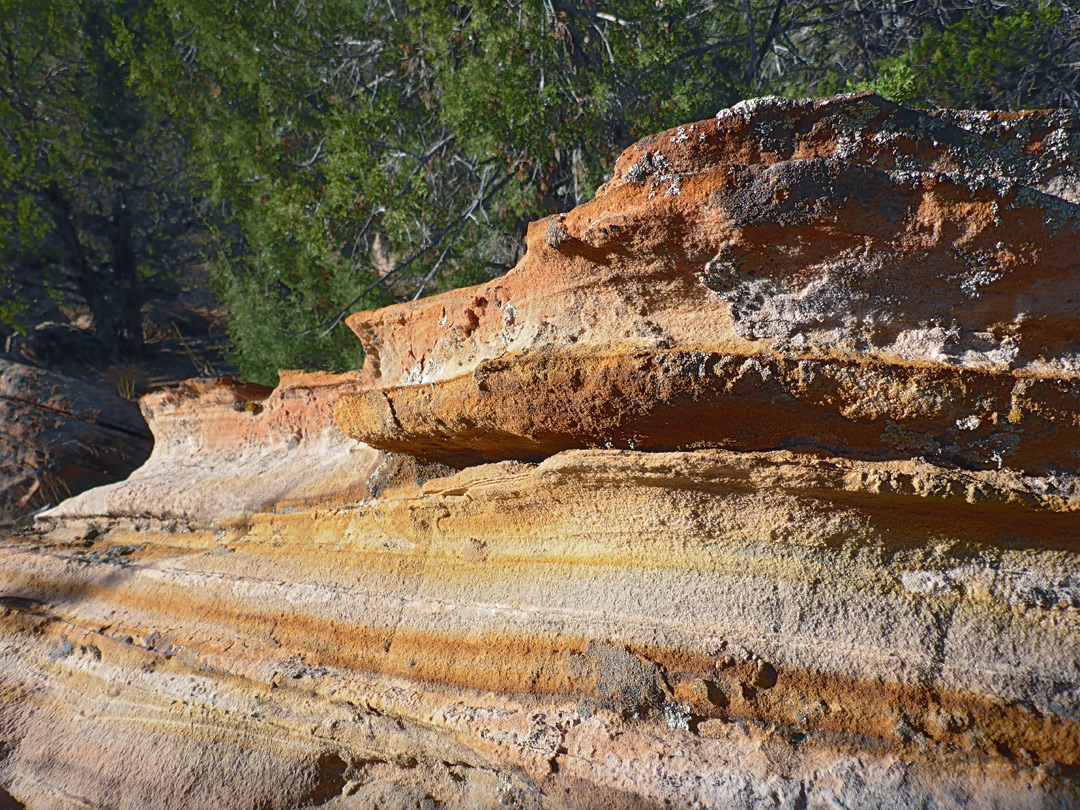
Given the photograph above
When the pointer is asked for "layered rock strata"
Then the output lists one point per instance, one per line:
(685, 560)
(223, 450)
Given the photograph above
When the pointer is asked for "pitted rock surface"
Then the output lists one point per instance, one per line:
(893, 281)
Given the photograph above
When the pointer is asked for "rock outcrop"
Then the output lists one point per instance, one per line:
(753, 485)
(223, 450)
(846, 275)
(59, 436)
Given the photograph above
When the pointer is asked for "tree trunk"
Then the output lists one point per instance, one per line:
(126, 289)
(113, 294)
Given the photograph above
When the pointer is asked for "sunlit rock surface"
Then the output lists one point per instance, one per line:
(753, 485)
(223, 450)
(843, 274)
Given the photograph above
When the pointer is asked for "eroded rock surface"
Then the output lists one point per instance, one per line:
(693, 556)
(846, 273)
(223, 450)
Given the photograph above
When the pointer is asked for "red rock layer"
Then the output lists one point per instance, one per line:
(848, 274)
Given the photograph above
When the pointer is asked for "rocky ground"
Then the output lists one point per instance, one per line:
(754, 484)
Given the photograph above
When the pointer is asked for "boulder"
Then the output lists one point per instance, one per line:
(844, 275)
(59, 437)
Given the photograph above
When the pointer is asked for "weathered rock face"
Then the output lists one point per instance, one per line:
(59, 437)
(802, 551)
(223, 450)
(842, 274)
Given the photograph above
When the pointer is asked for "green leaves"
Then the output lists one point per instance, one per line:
(93, 208)
(977, 60)
(895, 80)
(987, 58)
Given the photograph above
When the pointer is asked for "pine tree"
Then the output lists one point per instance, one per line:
(92, 200)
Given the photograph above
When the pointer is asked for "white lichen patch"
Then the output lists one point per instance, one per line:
(648, 166)
(676, 716)
(970, 422)
(884, 137)
(511, 329)
(973, 283)
(653, 169)
(750, 107)
(848, 146)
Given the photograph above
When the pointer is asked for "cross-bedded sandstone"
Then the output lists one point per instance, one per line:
(766, 497)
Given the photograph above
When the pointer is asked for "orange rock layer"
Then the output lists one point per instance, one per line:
(844, 273)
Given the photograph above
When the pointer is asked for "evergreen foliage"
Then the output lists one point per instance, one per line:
(93, 204)
(357, 152)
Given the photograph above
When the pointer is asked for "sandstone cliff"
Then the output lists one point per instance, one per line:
(753, 485)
